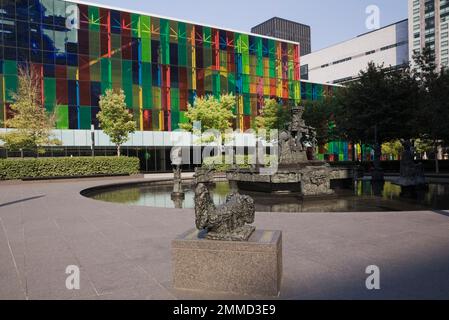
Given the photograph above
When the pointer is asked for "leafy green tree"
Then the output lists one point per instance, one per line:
(432, 115)
(378, 108)
(213, 113)
(392, 148)
(273, 116)
(320, 115)
(32, 123)
(115, 119)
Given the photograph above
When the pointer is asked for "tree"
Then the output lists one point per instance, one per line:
(378, 108)
(115, 119)
(320, 115)
(213, 113)
(32, 123)
(273, 116)
(432, 115)
(392, 148)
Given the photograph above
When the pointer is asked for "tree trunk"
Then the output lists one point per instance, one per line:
(377, 172)
(118, 151)
(437, 164)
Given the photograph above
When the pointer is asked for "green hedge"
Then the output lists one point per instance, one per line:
(66, 167)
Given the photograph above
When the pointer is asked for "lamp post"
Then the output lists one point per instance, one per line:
(92, 138)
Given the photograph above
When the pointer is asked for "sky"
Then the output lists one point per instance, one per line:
(332, 21)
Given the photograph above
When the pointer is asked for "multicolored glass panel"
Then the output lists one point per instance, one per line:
(162, 65)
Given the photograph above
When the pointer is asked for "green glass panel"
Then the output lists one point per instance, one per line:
(165, 41)
(10, 87)
(94, 18)
(245, 79)
(320, 92)
(259, 60)
(106, 71)
(50, 91)
(9, 67)
(85, 117)
(156, 93)
(62, 117)
(231, 82)
(309, 91)
(238, 42)
(175, 118)
(174, 99)
(147, 98)
(94, 44)
(156, 125)
(272, 48)
(272, 67)
(146, 49)
(216, 84)
(246, 105)
(136, 97)
(127, 71)
(146, 74)
(2, 98)
(207, 37)
(145, 26)
(182, 31)
(135, 23)
(128, 90)
(183, 118)
(182, 53)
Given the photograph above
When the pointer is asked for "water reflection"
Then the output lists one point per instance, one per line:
(364, 197)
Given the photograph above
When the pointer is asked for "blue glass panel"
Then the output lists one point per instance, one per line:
(49, 70)
(155, 51)
(156, 75)
(72, 93)
(95, 92)
(174, 77)
(265, 49)
(23, 34)
(22, 10)
(9, 9)
(223, 40)
(174, 54)
(115, 22)
(73, 117)
(34, 11)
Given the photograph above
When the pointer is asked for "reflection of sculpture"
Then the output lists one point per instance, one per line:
(227, 222)
(178, 194)
(177, 180)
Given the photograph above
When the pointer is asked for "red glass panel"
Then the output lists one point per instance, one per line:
(84, 90)
(62, 92)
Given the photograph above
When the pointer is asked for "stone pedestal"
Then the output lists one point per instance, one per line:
(251, 267)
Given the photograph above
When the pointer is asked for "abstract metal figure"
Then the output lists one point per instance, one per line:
(228, 222)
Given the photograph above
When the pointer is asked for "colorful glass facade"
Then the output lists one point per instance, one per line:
(81, 50)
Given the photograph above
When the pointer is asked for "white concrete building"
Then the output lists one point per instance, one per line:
(429, 27)
(342, 62)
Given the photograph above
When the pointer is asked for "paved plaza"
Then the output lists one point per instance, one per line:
(124, 251)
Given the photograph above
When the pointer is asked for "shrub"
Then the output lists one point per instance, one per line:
(66, 167)
(218, 163)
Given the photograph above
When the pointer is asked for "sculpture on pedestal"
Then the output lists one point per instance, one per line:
(228, 222)
(412, 174)
(294, 142)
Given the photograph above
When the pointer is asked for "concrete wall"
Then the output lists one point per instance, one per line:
(324, 67)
